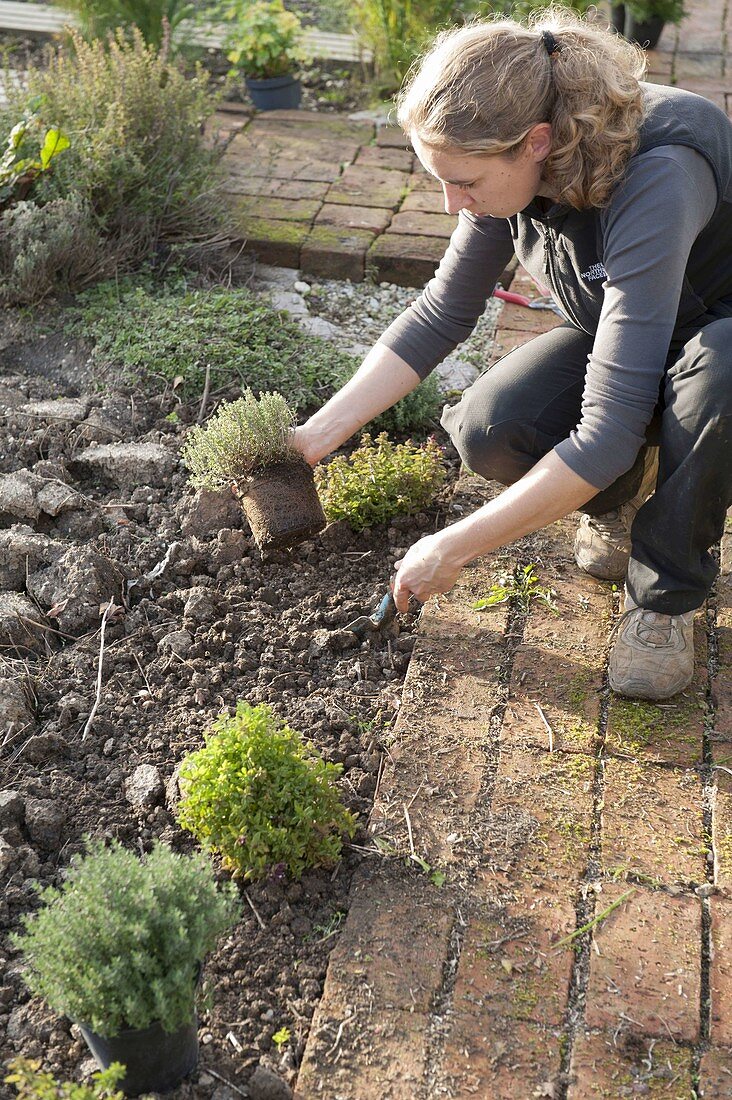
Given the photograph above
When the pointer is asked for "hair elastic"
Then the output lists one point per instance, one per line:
(550, 43)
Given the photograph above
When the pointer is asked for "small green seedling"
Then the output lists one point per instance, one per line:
(281, 1038)
(523, 587)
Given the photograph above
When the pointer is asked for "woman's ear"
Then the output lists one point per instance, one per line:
(539, 141)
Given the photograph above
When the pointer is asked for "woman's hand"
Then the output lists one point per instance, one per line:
(427, 568)
(309, 444)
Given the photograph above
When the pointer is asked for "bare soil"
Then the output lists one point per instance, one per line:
(95, 506)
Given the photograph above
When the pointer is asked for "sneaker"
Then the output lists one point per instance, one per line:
(602, 543)
(653, 655)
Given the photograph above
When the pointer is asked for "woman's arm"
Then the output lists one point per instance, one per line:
(549, 491)
(381, 380)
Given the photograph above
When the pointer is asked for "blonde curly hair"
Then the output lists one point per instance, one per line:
(482, 87)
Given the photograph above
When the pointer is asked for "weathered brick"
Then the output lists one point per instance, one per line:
(369, 187)
(395, 938)
(608, 1066)
(508, 965)
(722, 681)
(423, 181)
(710, 87)
(669, 732)
(540, 817)
(384, 157)
(355, 1052)
(430, 202)
(273, 242)
(437, 755)
(282, 167)
(648, 969)
(722, 830)
(693, 65)
(289, 210)
(557, 671)
(336, 252)
(715, 1074)
(406, 261)
(720, 978)
(424, 224)
(652, 824)
(373, 218)
(277, 188)
(515, 318)
(488, 1057)
(392, 137)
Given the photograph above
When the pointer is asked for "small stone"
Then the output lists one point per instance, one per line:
(12, 809)
(178, 642)
(705, 890)
(128, 465)
(45, 746)
(144, 788)
(302, 287)
(8, 856)
(265, 1084)
(44, 820)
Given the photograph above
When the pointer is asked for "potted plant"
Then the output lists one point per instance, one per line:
(265, 44)
(118, 948)
(247, 445)
(642, 21)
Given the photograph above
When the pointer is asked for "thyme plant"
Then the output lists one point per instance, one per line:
(119, 944)
(242, 437)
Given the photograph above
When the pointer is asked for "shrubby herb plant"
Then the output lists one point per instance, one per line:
(262, 797)
(242, 437)
(137, 154)
(418, 411)
(119, 944)
(242, 340)
(379, 480)
(33, 1084)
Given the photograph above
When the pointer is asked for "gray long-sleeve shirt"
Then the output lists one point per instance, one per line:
(630, 290)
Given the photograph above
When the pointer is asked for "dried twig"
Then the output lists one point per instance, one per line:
(204, 399)
(111, 606)
(548, 728)
(256, 914)
(226, 1081)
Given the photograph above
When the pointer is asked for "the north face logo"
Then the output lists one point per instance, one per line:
(597, 271)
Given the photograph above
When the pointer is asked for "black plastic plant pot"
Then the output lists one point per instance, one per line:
(282, 505)
(278, 93)
(645, 33)
(156, 1060)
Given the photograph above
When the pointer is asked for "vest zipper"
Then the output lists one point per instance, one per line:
(550, 270)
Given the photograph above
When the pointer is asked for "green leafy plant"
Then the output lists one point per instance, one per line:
(243, 436)
(175, 335)
(379, 480)
(262, 797)
(21, 166)
(522, 585)
(137, 153)
(32, 1084)
(119, 944)
(264, 40)
(153, 18)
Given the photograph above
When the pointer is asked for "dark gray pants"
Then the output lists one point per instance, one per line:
(521, 407)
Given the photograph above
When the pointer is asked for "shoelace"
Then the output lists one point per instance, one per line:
(611, 526)
(652, 628)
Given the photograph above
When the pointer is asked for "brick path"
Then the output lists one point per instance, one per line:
(347, 199)
(512, 770)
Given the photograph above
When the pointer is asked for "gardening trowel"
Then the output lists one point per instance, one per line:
(383, 616)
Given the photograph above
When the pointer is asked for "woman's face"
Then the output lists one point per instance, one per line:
(498, 185)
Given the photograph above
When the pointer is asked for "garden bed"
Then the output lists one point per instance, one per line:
(200, 620)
